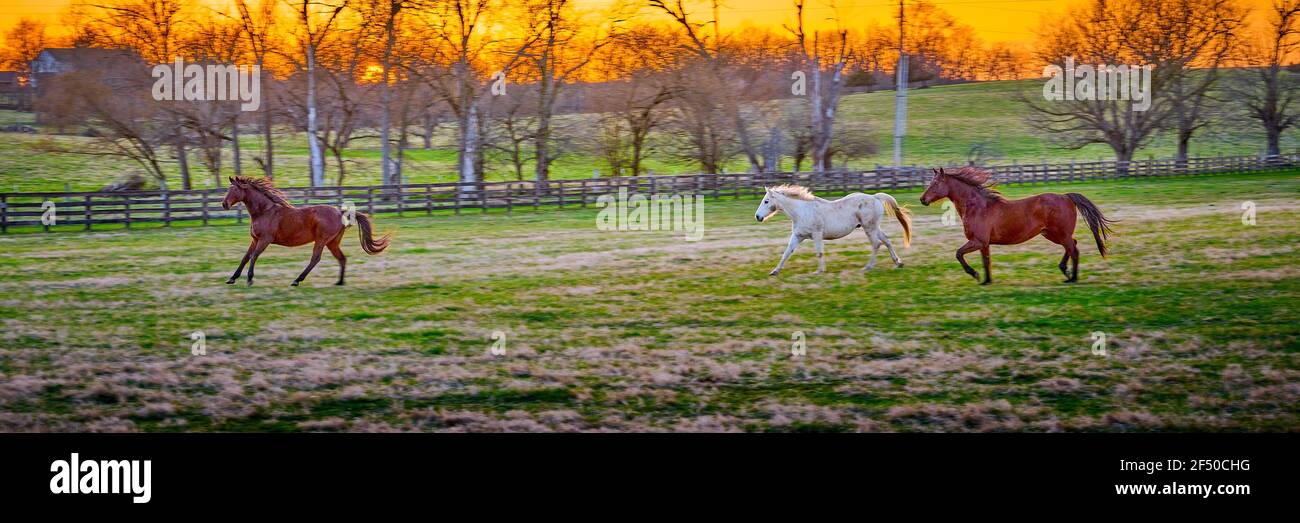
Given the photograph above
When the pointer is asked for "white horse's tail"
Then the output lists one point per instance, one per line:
(904, 216)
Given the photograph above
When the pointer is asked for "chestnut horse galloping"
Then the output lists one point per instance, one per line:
(277, 221)
(990, 219)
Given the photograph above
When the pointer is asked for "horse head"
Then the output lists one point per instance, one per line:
(234, 194)
(938, 188)
(768, 207)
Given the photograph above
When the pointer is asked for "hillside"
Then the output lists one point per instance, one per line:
(945, 124)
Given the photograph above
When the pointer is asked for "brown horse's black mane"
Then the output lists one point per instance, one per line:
(267, 188)
(980, 179)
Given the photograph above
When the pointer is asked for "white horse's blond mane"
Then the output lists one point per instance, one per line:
(797, 192)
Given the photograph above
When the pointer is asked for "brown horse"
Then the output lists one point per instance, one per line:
(277, 221)
(990, 219)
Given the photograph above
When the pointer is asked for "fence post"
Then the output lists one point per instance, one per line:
(4, 213)
(167, 208)
(482, 194)
(85, 209)
(370, 200)
(126, 210)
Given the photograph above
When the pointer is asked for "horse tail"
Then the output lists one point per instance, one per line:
(1097, 221)
(368, 241)
(902, 213)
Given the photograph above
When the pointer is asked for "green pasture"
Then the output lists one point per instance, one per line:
(644, 331)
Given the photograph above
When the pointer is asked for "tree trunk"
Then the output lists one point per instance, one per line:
(234, 147)
(542, 145)
(313, 141)
(1184, 143)
(746, 143)
(1124, 156)
(385, 117)
(267, 146)
(183, 162)
(214, 160)
(338, 160)
(468, 145)
(816, 116)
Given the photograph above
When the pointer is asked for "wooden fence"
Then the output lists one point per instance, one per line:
(126, 208)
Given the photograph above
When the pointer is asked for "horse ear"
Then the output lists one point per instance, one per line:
(941, 170)
(232, 179)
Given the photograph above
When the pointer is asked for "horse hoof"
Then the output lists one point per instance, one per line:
(986, 282)
(774, 273)
(230, 282)
(898, 265)
(338, 283)
(294, 284)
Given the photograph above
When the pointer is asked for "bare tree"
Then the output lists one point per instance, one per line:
(315, 21)
(153, 29)
(1189, 40)
(729, 104)
(512, 126)
(633, 104)
(124, 121)
(826, 85)
(386, 17)
(212, 123)
(1101, 32)
(560, 51)
(23, 42)
(1267, 89)
(458, 68)
(705, 134)
(259, 29)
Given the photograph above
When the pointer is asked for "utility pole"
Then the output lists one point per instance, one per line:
(900, 93)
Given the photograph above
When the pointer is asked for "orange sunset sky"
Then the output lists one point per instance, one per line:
(993, 20)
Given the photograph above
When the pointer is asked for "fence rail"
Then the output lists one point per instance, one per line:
(126, 208)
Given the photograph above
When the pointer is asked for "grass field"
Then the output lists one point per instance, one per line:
(645, 331)
(944, 124)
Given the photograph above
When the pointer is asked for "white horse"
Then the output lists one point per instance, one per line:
(822, 219)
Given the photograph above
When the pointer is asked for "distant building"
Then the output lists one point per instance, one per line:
(10, 81)
(14, 90)
(114, 64)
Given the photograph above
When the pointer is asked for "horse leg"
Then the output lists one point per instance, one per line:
(988, 269)
(315, 258)
(970, 246)
(890, 246)
(252, 260)
(875, 248)
(338, 254)
(1074, 255)
(247, 254)
(789, 249)
(817, 244)
(1067, 241)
